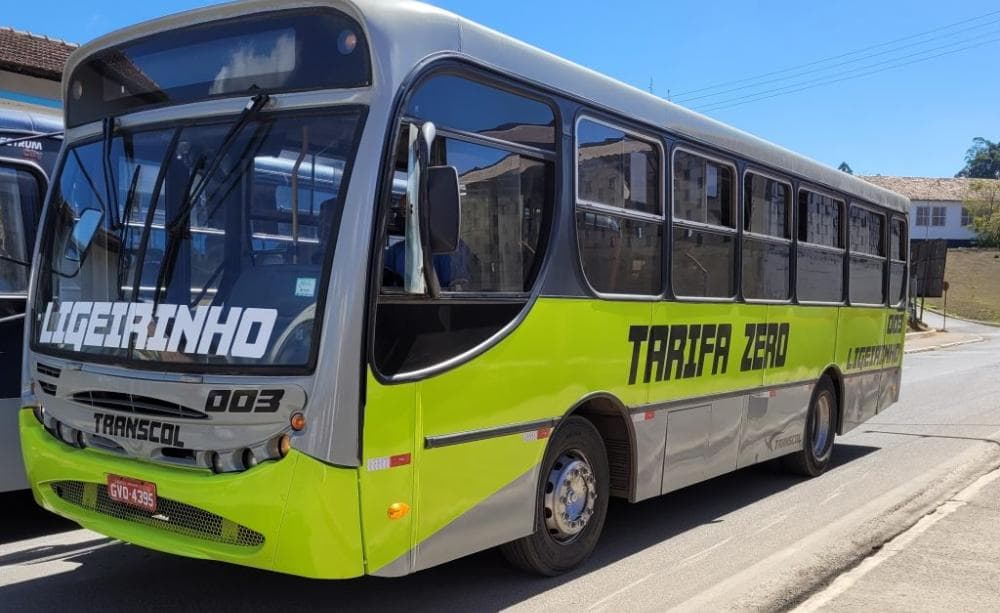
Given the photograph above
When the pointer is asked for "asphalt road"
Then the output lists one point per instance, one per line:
(753, 539)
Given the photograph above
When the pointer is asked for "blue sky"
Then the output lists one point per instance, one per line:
(910, 120)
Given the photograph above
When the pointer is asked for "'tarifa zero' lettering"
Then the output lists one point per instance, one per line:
(683, 351)
(237, 332)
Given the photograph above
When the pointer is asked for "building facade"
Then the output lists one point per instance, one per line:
(937, 209)
(31, 71)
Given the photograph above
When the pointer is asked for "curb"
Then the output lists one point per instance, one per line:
(968, 341)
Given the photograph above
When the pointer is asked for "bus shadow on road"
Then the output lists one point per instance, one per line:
(24, 519)
(124, 577)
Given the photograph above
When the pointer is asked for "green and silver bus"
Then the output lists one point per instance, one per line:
(338, 288)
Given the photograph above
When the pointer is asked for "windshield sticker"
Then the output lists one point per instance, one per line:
(305, 287)
(234, 331)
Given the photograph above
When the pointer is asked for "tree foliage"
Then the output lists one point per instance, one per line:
(845, 167)
(983, 203)
(982, 160)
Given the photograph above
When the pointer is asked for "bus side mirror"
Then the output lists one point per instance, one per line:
(83, 234)
(444, 204)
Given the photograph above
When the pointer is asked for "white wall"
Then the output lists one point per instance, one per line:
(952, 228)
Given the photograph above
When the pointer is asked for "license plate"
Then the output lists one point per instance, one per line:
(135, 493)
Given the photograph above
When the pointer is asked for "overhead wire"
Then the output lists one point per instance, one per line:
(680, 99)
(849, 53)
(806, 85)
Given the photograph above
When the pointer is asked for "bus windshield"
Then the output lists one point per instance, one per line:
(195, 245)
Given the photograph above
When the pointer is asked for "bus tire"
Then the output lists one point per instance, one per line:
(820, 430)
(571, 503)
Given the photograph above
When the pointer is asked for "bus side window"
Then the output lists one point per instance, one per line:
(704, 238)
(767, 239)
(619, 213)
(502, 146)
(820, 257)
(866, 229)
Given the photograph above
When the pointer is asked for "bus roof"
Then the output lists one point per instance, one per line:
(392, 24)
(13, 120)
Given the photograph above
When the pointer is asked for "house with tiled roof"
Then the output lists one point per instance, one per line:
(937, 206)
(31, 70)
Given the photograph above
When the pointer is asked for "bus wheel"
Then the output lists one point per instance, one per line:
(572, 502)
(820, 430)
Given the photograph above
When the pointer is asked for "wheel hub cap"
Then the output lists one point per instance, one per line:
(569, 496)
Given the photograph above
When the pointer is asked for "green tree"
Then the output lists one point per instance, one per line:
(982, 160)
(983, 203)
(845, 167)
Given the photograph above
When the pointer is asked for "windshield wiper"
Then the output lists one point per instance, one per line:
(110, 183)
(175, 227)
(126, 228)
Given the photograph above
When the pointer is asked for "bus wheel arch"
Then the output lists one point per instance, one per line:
(837, 379)
(611, 418)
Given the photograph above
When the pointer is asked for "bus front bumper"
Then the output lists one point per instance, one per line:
(295, 515)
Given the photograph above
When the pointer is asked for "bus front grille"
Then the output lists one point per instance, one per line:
(170, 515)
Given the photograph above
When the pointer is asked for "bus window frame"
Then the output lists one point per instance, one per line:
(33, 220)
(905, 244)
(651, 138)
(843, 251)
(735, 231)
(471, 70)
(871, 208)
(792, 241)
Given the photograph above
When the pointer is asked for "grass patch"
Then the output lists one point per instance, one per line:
(974, 279)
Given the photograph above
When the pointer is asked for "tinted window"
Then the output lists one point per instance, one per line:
(866, 232)
(620, 255)
(703, 260)
(470, 106)
(620, 248)
(767, 206)
(617, 170)
(703, 190)
(820, 219)
(897, 240)
(20, 199)
(867, 261)
(767, 270)
(819, 274)
(503, 198)
(702, 263)
(276, 51)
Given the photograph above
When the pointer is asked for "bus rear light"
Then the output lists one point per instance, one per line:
(298, 422)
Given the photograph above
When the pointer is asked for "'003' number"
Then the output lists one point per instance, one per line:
(243, 401)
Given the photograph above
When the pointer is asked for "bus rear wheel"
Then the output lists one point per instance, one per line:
(821, 427)
(571, 503)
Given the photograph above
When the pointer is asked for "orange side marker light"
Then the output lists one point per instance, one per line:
(398, 510)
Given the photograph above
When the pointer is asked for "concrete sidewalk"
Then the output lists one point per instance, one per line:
(934, 339)
(948, 561)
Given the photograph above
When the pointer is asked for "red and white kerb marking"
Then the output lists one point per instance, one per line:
(391, 461)
(537, 435)
(644, 416)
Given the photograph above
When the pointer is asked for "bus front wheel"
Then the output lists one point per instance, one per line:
(821, 427)
(571, 503)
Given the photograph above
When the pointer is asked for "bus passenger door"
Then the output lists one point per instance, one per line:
(22, 188)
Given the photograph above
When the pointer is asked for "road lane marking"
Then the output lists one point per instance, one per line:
(846, 581)
(639, 581)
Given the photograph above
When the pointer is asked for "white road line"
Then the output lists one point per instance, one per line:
(844, 582)
(776, 521)
(704, 551)
(635, 583)
(620, 591)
